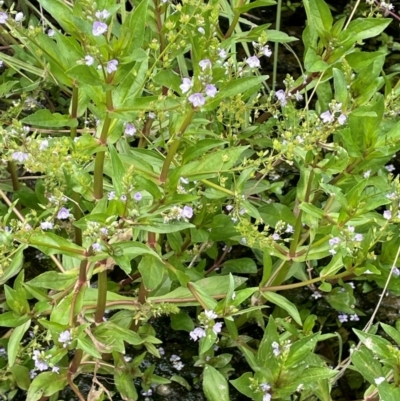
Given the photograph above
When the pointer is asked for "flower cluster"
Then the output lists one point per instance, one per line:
(178, 213)
(99, 26)
(176, 362)
(65, 338)
(329, 116)
(197, 99)
(41, 362)
(207, 321)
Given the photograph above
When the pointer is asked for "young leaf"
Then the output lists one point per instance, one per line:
(283, 303)
(215, 385)
(15, 342)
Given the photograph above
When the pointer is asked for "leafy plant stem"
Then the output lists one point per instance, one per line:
(235, 20)
(101, 296)
(174, 146)
(100, 156)
(79, 285)
(74, 108)
(73, 368)
(14, 175)
(276, 46)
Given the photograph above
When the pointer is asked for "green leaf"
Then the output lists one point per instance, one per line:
(21, 376)
(389, 330)
(381, 347)
(233, 88)
(365, 362)
(299, 350)
(118, 170)
(46, 384)
(340, 84)
(182, 321)
(54, 280)
(15, 266)
(136, 25)
(283, 303)
(44, 118)
(16, 300)
(15, 342)
(12, 319)
(50, 244)
(318, 15)
(363, 28)
(84, 74)
(210, 285)
(243, 385)
(254, 4)
(87, 345)
(164, 228)
(125, 385)
(152, 271)
(215, 385)
(241, 266)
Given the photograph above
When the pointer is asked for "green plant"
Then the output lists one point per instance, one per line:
(151, 149)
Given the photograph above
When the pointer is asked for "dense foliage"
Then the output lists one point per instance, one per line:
(155, 171)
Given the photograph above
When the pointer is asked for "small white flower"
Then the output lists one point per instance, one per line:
(89, 60)
(50, 33)
(211, 90)
(99, 28)
(184, 180)
(65, 337)
(334, 241)
(253, 62)
(358, 237)
(387, 214)
(266, 51)
(197, 333)
(316, 295)
(343, 318)
(137, 196)
(112, 66)
(44, 144)
(104, 231)
(197, 99)
(20, 156)
(111, 195)
(222, 53)
(123, 198)
(298, 96)
(46, 225)
(367, 174)
(205, 64)
(96, 247)
(19, 17)
(186, 85)
(217, 328)
(276, 237)
(281, 96)
(396, 272)
(152, 116)
(130, 129)
(379, 380)
(3, 17)
(187, 212)
(102, 14)
(342, 119)
(354, 318)
(210, 314)
(63, 214)
(327, 117)
(228, 208)
(289, 229)
(275, 348)
(201, 30)
(390, 168)
(332, 252)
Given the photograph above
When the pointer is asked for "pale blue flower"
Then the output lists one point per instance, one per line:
(197, 99)
(99, 28)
